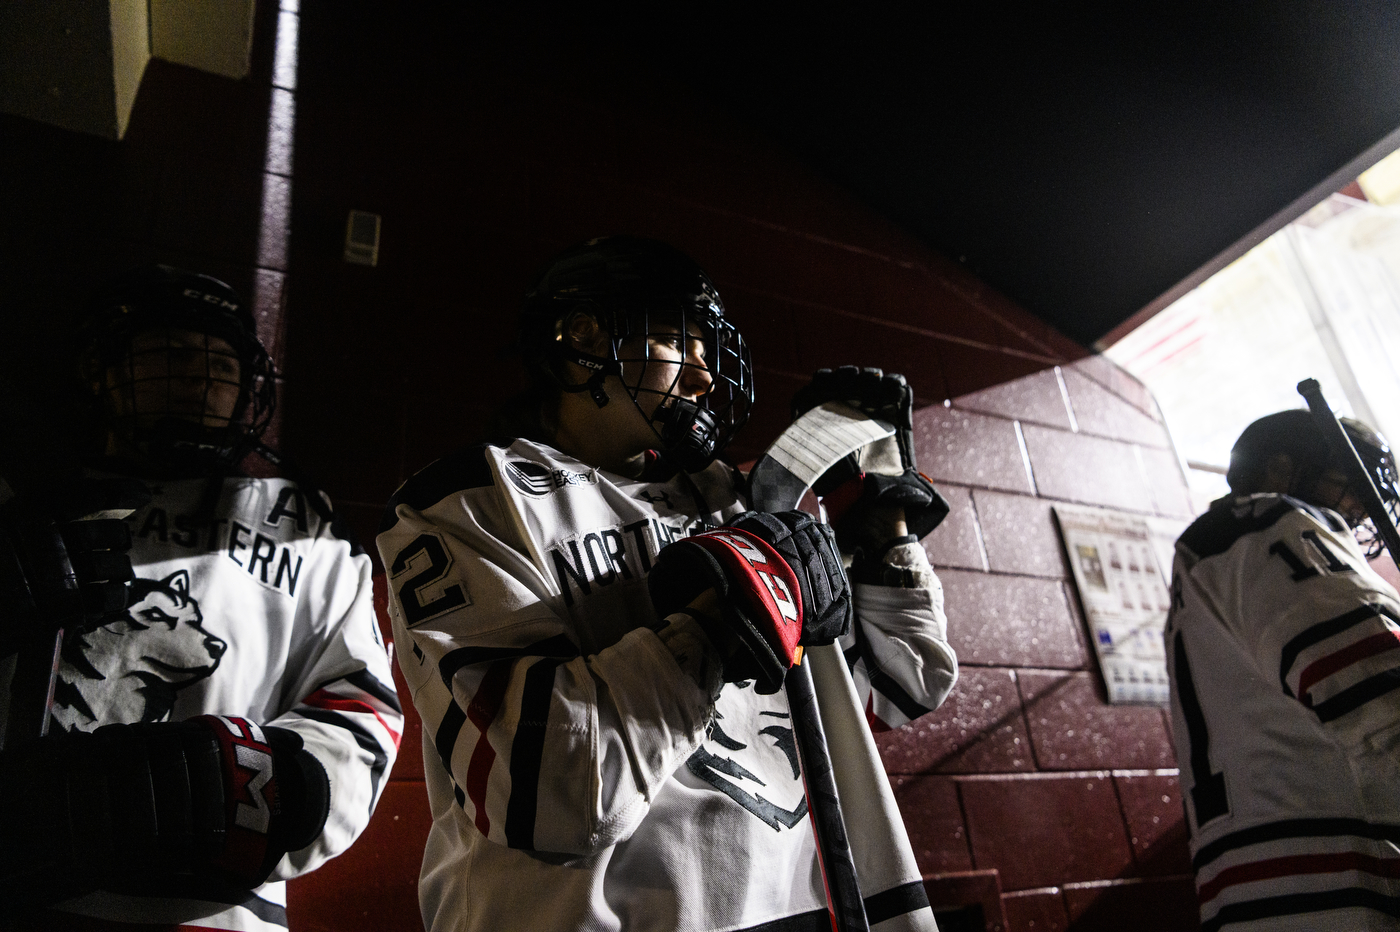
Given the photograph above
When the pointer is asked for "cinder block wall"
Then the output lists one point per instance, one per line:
(1026, 786)
(489, 145)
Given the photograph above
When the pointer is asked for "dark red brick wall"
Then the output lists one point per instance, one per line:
(489, 146)
(1026, 771)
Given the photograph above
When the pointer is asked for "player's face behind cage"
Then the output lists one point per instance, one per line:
(177, 373)
(688, 374)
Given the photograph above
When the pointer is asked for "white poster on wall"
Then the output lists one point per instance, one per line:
(1121, 568)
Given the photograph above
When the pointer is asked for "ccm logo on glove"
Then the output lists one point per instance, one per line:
(779, 583)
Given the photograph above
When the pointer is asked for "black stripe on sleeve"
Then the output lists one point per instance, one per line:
(468, 468)
(1355, 696)
(526, 752)
(362, 737)
(896, 901)
(1321, 632)
(446, 738)
(366, 682)
(1293, 828)
(558, 646)
(1295, 904)
(883, 683)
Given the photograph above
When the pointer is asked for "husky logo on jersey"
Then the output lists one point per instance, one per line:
(750, 755)
(534, 479)
(131, 670)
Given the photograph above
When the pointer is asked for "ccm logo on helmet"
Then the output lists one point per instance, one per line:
(210, 299)
(782, 596)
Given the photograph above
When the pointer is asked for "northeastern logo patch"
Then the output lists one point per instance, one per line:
(534, 479)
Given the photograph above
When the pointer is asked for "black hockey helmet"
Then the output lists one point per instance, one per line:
(634, 287)
(1297, 435)
(159, 299)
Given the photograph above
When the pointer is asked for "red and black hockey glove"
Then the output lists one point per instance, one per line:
(63, 558)
(779, 582)
(211, 803)
(885, 476)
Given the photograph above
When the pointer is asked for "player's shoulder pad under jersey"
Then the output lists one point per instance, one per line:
(467, 468)
(1234, 517)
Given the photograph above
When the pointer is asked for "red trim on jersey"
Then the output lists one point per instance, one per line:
(876, 724)
(1297, 864)
(1319, 669)
(482, 712)
(325, 699)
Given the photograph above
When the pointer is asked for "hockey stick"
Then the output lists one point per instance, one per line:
(1360, 479)
(806, 450)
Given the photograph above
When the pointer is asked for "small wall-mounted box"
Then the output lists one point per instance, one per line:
(362, 238)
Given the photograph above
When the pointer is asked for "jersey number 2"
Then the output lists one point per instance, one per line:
(415, 610)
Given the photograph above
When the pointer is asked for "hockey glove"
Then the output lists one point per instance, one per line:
(779, 582)
(153, 808)
(63, 558)
(883, 474)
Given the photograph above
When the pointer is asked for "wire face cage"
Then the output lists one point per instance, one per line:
(690, 373)
(177, 370)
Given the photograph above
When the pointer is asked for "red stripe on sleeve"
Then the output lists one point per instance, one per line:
(482, 712)
(1298, 864)
(322, 699)
(1326, 666)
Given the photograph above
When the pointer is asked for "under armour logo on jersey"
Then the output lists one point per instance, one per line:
(657, 498)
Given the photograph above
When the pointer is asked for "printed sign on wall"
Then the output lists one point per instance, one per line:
(1121, 566)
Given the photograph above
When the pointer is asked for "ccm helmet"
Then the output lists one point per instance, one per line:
(140, 408)
(635, 287)
(1296, 434)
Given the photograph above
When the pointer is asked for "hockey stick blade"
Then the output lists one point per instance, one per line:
(813, 444)
(1337, 438)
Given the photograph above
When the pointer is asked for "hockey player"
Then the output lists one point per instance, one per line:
(597, 666)
(233, 726)
(1284, 652)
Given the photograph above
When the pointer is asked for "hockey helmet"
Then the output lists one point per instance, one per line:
(1296, 434)
(159, 300)
(637, 287)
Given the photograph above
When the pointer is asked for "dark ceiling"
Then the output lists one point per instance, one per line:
(1084, 163)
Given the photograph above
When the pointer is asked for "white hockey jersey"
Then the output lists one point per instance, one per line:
(578, 779)
(1284, 652)
(263, 612)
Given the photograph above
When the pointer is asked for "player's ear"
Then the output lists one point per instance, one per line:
(585, 333)
(1278, 474)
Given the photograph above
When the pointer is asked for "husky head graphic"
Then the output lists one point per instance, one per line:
(750, 755)
(131, 669)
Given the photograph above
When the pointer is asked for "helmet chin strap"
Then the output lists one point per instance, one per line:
(600, 367)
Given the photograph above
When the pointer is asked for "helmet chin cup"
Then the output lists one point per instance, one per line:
(182, 446)
(689, 434)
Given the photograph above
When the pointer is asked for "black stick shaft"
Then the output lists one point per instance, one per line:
(31, 690)
(824, 804)
(1361, 479)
